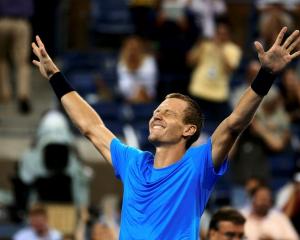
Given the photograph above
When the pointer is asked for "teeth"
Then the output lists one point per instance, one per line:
(157, 127)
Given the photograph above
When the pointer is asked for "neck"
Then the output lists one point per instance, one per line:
(167, 155)
(42, 232)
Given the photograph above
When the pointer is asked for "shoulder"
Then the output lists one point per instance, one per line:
(25, 233)
(55, 234)
(200, 152)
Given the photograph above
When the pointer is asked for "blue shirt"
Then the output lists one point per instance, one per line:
(164, 203)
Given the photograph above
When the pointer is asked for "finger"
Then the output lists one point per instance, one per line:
(36, 63)
(259, 48)
(39, 41)
(35, 50)
(44, 53)
(295, 54)
(280, 36)
(293, 45)
(290, 39)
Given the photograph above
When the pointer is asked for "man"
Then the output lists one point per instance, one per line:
(265, 223)
(226, 223)
(15, 36)
(166, 193)
(38, 228)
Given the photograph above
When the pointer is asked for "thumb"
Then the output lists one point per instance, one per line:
(36, 63)
(259, 48)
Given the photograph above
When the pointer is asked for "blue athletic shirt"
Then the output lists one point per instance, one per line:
(164, 203)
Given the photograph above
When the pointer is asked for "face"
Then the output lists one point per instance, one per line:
(262, 202)
(222, 33)
(166, 125)
(39, 223)
(228, 231)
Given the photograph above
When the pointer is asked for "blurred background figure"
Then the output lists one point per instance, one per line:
(51, 167)
(15, 38)
(265, 223)
(137, 72)
(290, 90)
(175, 35)
(102, 232)
(268, 134)
(275, 13)
(38, 228)
(143, 17)
(110, 214)
(214, 61)
(226, 223)
(288, 200)
(205, 12)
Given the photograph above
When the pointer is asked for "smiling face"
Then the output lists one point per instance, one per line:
(167, 123)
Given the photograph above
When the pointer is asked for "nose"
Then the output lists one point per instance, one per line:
(156, 115)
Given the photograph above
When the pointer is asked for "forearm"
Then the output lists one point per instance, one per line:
(244, 111)
(80, 112)
(83, 115)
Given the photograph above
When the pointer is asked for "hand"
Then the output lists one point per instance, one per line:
(279, 55)
(45, 63)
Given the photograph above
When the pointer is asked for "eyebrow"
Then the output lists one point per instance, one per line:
(166, 111)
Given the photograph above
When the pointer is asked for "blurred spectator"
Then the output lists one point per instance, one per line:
(110, 215)
(290, 90)
(288, 200)
(38, 228)
(52, 158)
(102, 232)
(265, 223)
(285, 4)
(274, 13)
(214, 61)
(143, 17)
(176, 34)
(271, 122)
(15, 37)
(205, 13)
(268, 133)
(226, 223)
(251, 72)
(241, 196)
(137, 72)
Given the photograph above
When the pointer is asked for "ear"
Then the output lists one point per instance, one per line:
(189, 130)
(212, 234)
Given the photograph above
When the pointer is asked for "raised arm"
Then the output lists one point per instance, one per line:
(272, 62)
(79, 111)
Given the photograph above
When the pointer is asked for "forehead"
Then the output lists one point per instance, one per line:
(231, 227)
(263, 193)
(174, 104)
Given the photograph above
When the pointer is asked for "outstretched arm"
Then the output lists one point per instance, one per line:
(80, 112)
(272, 62)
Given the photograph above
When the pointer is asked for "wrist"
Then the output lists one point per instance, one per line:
(52, 72)
(263, 81)
(60, 85)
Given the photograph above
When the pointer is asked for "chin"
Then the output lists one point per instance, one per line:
(153, 140)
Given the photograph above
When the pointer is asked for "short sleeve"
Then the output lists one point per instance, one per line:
(207, 172)
(122, 155)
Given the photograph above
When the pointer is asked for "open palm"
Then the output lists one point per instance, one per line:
(45, 63)
(280, 54)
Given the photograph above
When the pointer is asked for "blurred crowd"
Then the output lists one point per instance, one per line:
(184, 46)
